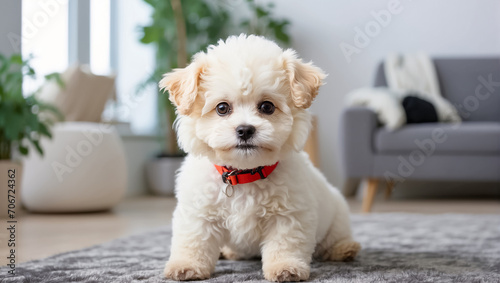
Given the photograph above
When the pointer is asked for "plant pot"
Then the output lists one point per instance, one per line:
(10, 185)
(160, 174)
(83, 169)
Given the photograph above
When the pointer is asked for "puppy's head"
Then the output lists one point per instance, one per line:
(243, 102)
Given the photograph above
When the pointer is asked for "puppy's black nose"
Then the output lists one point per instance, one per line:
(245, 132)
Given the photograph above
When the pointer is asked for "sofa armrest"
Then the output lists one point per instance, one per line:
(356, 135)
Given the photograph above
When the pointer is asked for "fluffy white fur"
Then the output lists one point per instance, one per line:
(286, 218)
(384, 102)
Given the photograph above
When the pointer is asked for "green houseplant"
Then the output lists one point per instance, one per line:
(22, 119)
(178, 30)
(23, 122)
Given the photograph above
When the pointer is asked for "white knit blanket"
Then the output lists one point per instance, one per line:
(405, 75)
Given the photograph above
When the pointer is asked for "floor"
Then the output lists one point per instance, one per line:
(42, 235)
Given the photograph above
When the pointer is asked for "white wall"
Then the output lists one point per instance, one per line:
(441, 28)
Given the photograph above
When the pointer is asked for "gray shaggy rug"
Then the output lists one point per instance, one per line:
(396, 248)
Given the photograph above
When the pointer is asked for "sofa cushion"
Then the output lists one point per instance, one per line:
(83, 96)
(441, 138)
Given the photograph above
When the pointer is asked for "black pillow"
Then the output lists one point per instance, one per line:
(419, 110)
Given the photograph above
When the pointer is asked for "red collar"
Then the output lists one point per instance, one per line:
(235, 176)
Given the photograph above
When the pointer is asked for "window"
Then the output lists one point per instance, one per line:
(45, 38)
(100, 37)
(103, 34)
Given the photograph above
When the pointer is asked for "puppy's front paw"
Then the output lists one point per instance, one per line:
(286, 271)
(345, 251)
(184, 270)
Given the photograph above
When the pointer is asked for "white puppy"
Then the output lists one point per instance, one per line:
(242, 105)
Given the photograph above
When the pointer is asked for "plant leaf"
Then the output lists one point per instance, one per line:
(23, 150)
(37, 146)
(261, 12)
(56, 77)
(151, 34)
(42, 128)
(16, 59)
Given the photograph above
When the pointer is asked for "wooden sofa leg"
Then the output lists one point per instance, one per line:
(350, 187)
(369, 196)
(389, 189)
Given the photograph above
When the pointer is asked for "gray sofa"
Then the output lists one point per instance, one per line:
(469, 151)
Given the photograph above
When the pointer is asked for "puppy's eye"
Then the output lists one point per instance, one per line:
(267, 108)
(222, 109)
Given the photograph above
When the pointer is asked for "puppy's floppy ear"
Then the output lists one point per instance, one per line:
(182, 84)
(305, 79)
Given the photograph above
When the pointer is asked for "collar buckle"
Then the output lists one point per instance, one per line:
(258, 170)
(226, 177)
